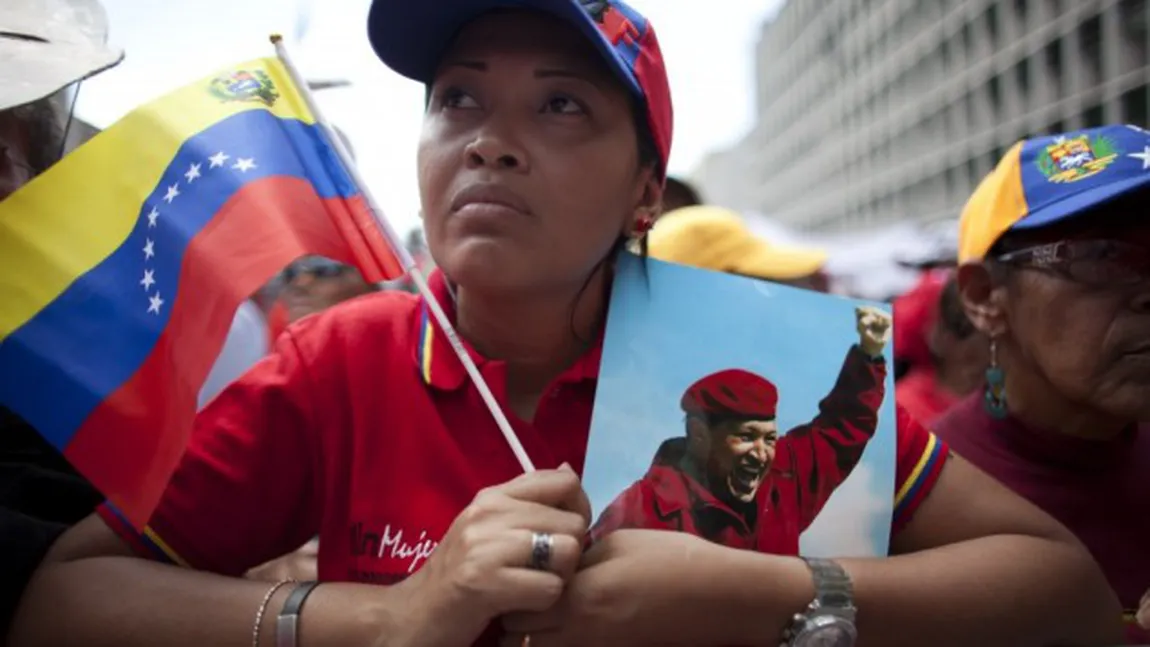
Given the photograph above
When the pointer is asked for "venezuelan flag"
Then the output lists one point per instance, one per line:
(122, 266)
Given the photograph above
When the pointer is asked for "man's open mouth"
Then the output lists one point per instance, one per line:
(745, 478)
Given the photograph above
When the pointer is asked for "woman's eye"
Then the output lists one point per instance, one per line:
(563, 105)
(456, 98)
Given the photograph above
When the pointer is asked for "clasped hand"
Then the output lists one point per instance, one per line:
(481, 572)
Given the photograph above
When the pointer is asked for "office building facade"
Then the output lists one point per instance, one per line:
(871, 112)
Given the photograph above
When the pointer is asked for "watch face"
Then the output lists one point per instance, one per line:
(835, 633)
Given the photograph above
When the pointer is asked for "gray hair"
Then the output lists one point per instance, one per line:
(44, 122)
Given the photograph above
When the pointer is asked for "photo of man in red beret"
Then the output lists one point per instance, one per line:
(734, 479)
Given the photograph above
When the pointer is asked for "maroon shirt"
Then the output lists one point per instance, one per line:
(1100, 490)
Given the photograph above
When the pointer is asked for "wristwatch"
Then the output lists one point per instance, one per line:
(829, 620)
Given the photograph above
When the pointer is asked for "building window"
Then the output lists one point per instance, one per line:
(1053, 56)
(1093, 117)
(991, 17)
(1132, 18)
(1134, 110)
(994, 90)
(1020, 10)
(1090, 41)
(972, 170)
(992, 157)
(1022, 79)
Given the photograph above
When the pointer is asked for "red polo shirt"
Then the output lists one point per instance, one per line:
(362, 428)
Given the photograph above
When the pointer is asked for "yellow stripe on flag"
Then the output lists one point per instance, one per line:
(65, 222)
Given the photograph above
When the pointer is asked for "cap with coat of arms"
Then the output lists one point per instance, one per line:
(1050, 179)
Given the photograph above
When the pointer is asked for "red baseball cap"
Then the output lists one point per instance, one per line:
(410, 38)
(733, 392)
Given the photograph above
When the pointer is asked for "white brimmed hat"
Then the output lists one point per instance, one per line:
(47, 45)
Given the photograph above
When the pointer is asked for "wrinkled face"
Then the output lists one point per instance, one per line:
(529, 168)
(737, 454)
(1088, 339)
(15, 168)
(313, 285)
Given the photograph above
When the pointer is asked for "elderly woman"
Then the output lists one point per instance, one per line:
(1055, 253)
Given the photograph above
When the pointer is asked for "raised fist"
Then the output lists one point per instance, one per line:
(874, 328)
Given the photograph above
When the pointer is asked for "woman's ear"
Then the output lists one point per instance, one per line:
(983, 298)
(648, 205)
(649, 193)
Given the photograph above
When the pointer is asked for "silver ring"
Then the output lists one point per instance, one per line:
(542, 545)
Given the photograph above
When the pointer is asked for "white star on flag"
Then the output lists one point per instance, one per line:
(244, 164)
(149, 279)
(149, 249)
(1144, 156)
(218, 159)
(1061, 139)
(193, 173)
(173, 191)
(152, 215)
(154, 303)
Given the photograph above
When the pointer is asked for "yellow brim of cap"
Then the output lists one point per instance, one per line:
(773, 262)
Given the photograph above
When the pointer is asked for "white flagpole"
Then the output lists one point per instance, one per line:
(406, 261)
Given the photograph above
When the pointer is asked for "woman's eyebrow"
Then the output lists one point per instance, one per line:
(478, 66)
(569, 73)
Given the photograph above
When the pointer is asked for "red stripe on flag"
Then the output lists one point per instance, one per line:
(370, 249)
(132, 442)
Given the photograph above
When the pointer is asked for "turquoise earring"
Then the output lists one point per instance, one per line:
(995, 397)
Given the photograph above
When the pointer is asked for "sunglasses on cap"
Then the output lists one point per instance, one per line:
(315, 266)
(1090, 262)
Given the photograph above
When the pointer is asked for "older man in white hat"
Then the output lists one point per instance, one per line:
(46, 48)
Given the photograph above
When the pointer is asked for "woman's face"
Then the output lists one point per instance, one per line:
(529, 167)
(1090, 341)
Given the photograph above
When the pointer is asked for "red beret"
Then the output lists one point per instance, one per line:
(733, 392)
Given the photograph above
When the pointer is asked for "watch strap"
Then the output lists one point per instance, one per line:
(833, 587)
(287, 624)
(834, 597)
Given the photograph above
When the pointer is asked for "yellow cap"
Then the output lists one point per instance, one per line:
(714, 238)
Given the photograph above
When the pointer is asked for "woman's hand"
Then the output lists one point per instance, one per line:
(480, 570)
(634, 588)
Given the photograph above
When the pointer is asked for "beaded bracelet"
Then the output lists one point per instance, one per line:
(264, 607)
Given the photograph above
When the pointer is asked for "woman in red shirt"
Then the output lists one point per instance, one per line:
(958, 357)
(544, 147)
